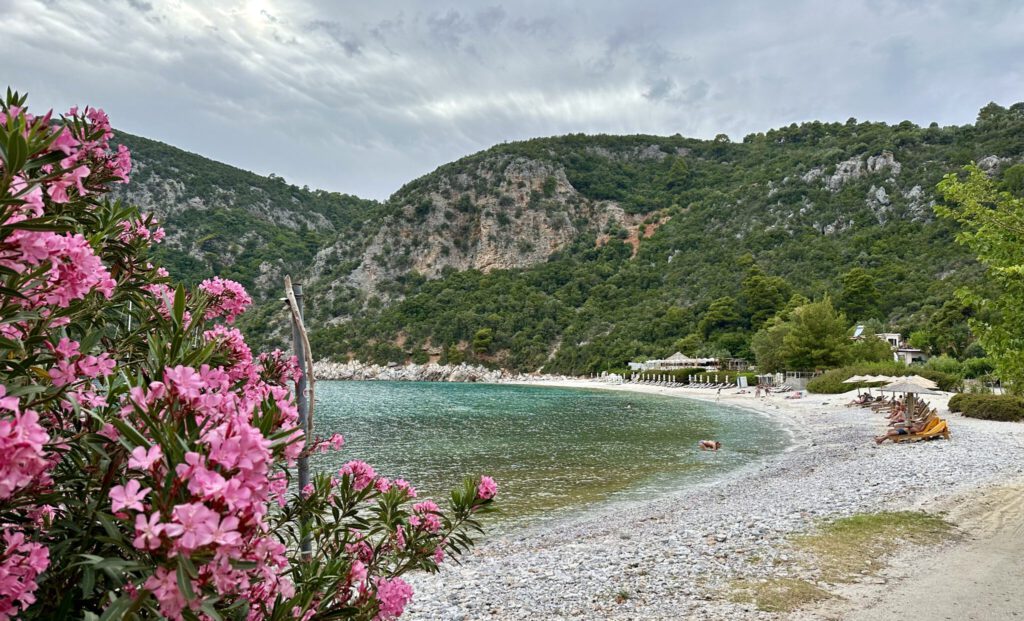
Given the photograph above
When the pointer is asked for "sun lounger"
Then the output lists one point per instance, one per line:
(935, 429)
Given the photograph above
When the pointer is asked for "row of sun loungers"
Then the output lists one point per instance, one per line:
(921, 416)
(712, 385)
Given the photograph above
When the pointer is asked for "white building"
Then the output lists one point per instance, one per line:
(673, 362)
(900, 350)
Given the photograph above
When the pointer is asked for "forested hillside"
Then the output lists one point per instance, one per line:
(689, 245)
(233, 223)
(578, 253)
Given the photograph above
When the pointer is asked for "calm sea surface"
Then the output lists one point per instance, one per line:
(550, 449)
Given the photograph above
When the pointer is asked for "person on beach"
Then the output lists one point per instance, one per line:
(709, 445)
(719, 396)
(901, 431)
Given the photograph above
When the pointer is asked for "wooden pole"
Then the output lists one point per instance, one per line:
(299, 342)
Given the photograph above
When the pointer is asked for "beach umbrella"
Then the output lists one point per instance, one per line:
(856, 379)
(923, 381)
(912, 388)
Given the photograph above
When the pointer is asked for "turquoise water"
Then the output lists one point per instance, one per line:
(550, 449)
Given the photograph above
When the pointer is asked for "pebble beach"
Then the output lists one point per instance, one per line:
(676, 555)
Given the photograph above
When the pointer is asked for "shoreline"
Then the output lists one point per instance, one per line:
(676, 555)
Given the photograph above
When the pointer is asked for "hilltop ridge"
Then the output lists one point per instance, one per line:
(577, 252)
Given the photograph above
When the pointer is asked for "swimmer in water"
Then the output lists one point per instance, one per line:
(709, 445)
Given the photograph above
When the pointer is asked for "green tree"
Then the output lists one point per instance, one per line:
(762, 296)
(549, 185)
(482, 340)
(870, 348)
(992, 226)
(767, 345)
(817, 337)
(723, 314)
(860, 296)
(1013, 180)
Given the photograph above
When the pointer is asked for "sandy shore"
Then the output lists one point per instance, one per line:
(675, 556)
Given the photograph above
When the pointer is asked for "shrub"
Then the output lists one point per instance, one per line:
(144, 449)
(988, 407)
(831, 382)
(975, 368)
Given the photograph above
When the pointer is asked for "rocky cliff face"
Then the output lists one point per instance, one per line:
(504, 212)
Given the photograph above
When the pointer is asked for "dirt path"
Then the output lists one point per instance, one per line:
(980, 577)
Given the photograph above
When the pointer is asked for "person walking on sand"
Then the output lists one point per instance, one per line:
(719, 396)
(709, 445)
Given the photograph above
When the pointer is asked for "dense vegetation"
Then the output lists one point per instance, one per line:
(841, 208)
(989, 407)
(831, 382)
(228, 222)
(718, 237)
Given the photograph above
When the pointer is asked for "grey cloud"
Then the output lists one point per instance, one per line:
(660, 89)
(362, 97)
(349, 44)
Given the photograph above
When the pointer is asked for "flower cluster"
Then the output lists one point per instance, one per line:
(137, 433)
(20, 564)
(228, 299)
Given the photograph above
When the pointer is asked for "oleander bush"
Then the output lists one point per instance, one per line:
(988, 407)
(144, 448)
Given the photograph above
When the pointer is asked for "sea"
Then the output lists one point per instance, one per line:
(553, 451)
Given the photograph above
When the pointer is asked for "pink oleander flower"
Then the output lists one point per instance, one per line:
(109, 431)
(147, 531)
(194, 525)
(357, 573)
(487, 488)
(143, 459)
(184, 381)
(20, 564)
(228, 299)
(361, 472)
(425, 516)
(10, 404)
(402, 484)
(128, 496)
(23, 459)
(393, 595)
(164, 586)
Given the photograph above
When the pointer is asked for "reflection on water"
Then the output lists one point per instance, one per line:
(548, 448)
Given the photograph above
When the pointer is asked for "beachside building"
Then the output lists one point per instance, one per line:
(900, 350)
(909, 355)
(737, 364)
(673, 362)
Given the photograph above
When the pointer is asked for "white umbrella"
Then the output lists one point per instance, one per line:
(856, 379)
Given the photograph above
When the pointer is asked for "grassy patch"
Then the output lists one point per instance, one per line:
(847, 547)
(778, 594)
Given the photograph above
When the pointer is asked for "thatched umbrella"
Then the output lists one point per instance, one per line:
(856, 379)
(922, 381)
(910, 388)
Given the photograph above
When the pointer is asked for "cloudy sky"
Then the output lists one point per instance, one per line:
(361, 97)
